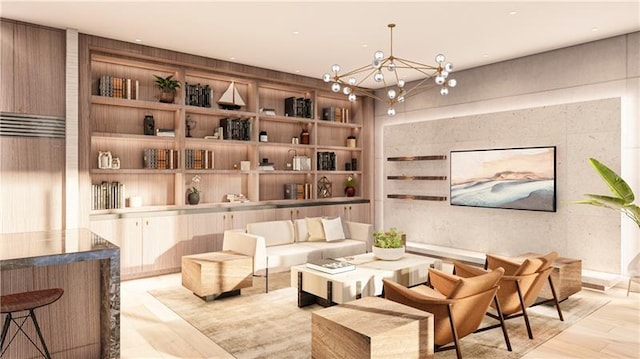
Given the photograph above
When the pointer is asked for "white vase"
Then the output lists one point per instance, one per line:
(388, 254)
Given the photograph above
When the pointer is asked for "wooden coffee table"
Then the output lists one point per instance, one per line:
(365, 281)
(217, 274)
(371, 328)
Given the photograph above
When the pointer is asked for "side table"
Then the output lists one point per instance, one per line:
(217, 274)
(371, 327)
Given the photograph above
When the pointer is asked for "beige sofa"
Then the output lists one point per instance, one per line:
(277, 245)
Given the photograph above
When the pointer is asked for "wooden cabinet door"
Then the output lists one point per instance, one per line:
(6, 66)
(160, 240)
(359, 212)
(205, 232)
(126, 233)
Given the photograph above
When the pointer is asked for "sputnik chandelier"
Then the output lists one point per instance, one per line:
(395, 89)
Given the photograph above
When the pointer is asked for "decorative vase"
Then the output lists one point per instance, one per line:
(149, 125)
(167, 97)
(193, 198)
(350, 191)
(388, 254)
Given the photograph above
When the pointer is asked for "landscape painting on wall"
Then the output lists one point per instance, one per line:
(514, 178)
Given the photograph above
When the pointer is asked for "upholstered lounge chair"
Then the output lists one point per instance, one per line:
(458, 304)
(520, 285)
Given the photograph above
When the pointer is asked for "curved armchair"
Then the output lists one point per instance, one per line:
(458, 304)
(633, 270)
(519, 286)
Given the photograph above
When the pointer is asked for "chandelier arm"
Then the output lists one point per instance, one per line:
(414, 64)
(355, 71)
(371, 95)
(420, 87)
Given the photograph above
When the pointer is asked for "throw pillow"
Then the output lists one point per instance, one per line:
(316, 230)
(333, 229)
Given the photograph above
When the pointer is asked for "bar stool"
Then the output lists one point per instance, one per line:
(26, 301)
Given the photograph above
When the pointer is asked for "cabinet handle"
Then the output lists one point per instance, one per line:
(146, 222)
(137, 223)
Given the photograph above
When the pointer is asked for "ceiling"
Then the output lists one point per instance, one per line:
(308, 37)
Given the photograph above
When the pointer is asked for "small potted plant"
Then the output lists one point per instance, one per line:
(194, 193)
(350, 186)
(388, 245)
(168, 86)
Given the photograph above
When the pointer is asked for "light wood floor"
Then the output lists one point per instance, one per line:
(150, 330)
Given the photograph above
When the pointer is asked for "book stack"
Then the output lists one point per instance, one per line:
(336, 114)
(298, 107)
(298, 191)
(165, 132)
(331, 266)
(326, 161)
(236, 129)
(198, 159)
(118, 87)
(107, 195)
(160, 159)
(266, 166)
(197, 95)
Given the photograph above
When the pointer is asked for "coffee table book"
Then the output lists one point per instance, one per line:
(330, 266)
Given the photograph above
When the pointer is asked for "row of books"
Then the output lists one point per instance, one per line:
(336, 114)
(107, 195)
(198, 95)
(298, 191)
(298, 107)
(160, 159)
(119, 87)
(326, 161)
(236, 129)
(198, 159)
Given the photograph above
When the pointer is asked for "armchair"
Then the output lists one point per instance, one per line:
(519, 286)
(458, 304)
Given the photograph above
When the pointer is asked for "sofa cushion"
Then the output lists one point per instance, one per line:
(274, 232)
(333, 229)
(338, 249)
(315, 229)
(282, 257)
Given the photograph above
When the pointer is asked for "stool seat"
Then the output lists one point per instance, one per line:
(29, 300)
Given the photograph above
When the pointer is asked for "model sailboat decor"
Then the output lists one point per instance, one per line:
(231, 99)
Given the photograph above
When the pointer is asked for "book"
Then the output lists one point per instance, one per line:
(331, 266)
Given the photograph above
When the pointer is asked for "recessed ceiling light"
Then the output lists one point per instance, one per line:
(364, 45)
(296, 32)
(485, 55)
(232, 58)
(297, 71)
(513, 12)
(138, 40)
(594, 29)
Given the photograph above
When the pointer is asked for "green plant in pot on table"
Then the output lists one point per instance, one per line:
(388, 245)
(168, 86)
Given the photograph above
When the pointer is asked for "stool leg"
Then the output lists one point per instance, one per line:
(35, 322)
(5, 330)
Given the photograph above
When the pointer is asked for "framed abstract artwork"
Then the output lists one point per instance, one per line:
(512, 178)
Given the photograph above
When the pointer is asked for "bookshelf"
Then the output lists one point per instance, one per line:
(280, 108)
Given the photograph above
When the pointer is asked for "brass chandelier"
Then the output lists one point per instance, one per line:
(395, 89)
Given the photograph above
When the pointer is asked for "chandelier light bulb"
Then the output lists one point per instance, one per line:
(440, 58)
(352, 81)
(391, 111)
(401, 83)
(326, 77)
(346, 90)
(444, 74)
(335, 87)
(444, 91)
(376, 64)
(352, 97)
(448, 67)
(378, 77)
(378, 55)
(335, 68)
(401, 99)
(391, 94)
(391, 66)
(439, 80)
(452, 83)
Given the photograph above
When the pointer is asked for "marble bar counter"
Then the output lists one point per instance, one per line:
(86, 320)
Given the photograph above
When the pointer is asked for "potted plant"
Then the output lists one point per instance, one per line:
(168, 87)
(388, 245)
(623, 196)
(194, 193)
(350, 186)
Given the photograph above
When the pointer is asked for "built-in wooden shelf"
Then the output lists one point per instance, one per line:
(418, 158)
(418, 178)
(417, 197)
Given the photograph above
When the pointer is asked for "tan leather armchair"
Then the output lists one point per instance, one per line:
(458, 304)
(519, 286)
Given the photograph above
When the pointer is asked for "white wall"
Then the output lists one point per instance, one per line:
(606, 69)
